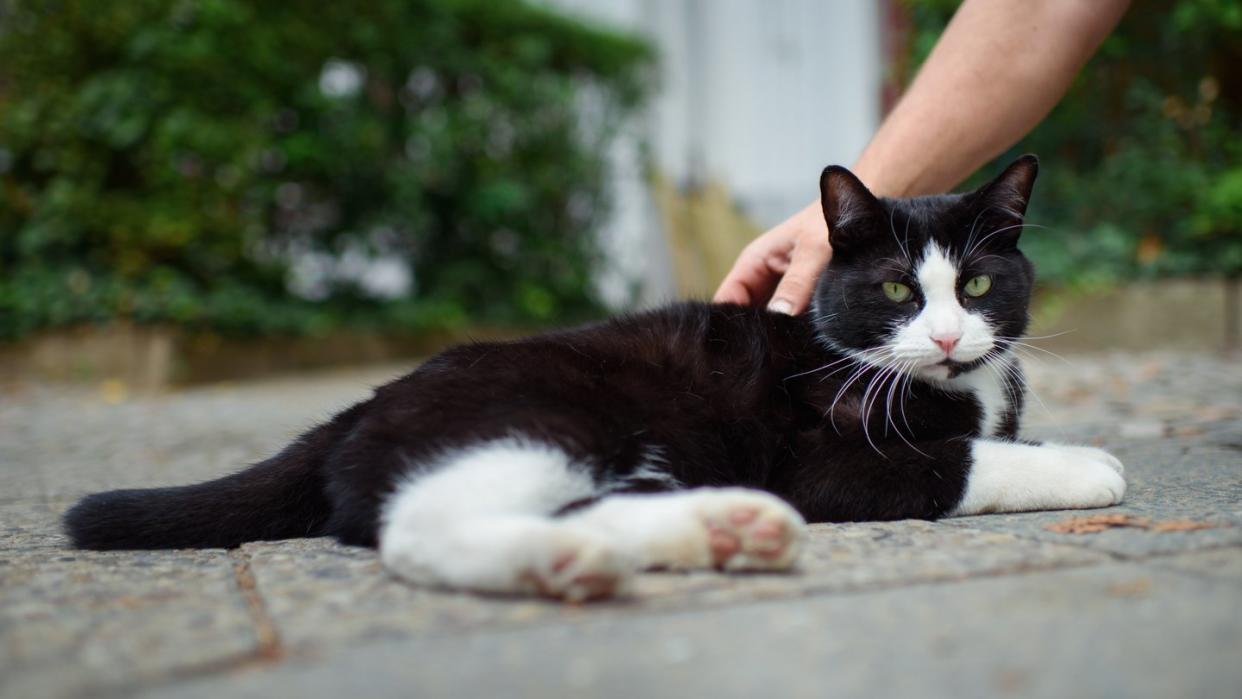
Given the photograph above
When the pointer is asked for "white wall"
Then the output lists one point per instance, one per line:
(757, 94)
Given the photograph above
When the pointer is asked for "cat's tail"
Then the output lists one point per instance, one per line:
(280, 498)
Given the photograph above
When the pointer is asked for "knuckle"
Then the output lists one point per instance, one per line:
(815, 245)
(794, 284)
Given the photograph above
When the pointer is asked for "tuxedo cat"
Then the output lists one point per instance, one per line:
(693, 436)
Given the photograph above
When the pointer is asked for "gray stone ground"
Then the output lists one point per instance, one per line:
(981, 606)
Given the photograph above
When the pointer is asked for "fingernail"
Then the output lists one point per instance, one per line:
(781, 306)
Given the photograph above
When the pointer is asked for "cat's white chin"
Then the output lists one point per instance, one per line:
(940, 371)
(934, 372)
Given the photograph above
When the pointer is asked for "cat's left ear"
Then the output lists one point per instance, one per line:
(1006, 196)
(848, 206)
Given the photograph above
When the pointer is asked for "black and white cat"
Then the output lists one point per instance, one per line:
(693, 436)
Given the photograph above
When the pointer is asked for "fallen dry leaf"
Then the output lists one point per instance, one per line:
(1009, 681)
(1215, 413)
(1093, 524)
(1096, 523)
(1184, 525)
(1138, 587)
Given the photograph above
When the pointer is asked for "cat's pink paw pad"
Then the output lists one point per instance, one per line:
(743, 515)
(583, 573)
(723, 545)
(751, 530)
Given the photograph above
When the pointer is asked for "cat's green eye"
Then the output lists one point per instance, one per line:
(896, 291)
(978, 286)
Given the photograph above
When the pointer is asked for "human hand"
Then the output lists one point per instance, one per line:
(788, 259)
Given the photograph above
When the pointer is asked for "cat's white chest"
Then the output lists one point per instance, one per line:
(989, 389)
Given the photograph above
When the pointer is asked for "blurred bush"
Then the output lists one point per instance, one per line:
(261, 167)
(1142, 159)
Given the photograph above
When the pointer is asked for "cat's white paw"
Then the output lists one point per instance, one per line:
(1015, 477)
(1097, 454)
(748, 529)
(1097, 486)
(724, 528)
(1092, 477)
(507, 555)
(575, 566)
(707, 528)
(720, 528)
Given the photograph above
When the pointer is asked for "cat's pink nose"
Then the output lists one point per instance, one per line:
(947, 341)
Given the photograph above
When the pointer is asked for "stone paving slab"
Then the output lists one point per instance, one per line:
(970, 607)
(73, 622)
(32, 525)
(62, 444)
(1079, 633)
(1131, 395)
(365, 603)
(1223, 564)
(1165, 482)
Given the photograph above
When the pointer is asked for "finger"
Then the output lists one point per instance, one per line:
(732, 291)
(793, 294)
(778, 263)
(750, 282)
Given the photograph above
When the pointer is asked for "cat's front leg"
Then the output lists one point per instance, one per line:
(1013, 477)
(723, 528)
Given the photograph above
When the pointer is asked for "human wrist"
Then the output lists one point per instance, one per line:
(882, 181)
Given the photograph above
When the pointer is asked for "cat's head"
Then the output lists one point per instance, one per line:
(933, 286)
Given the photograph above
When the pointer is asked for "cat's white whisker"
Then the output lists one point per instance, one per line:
(987, 237)
(900, 379)
(845, 385)
(971, 236)
(1026, 346)
(905, 393)
(866, 412)
(818, 369)
(1042, 337)
(1015, 376)
(900, 247)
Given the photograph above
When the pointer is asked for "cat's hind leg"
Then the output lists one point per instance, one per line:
(724, 528)
(479, 519)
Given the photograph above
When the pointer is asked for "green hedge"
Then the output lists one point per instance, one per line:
(165, 161)
(1142, 159)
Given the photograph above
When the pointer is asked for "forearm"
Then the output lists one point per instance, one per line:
(998, 69)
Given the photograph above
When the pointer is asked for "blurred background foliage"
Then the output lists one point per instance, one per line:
(1142, 160)
(252, 168)
(256, 168)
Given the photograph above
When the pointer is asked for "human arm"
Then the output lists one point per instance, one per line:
(996, 71)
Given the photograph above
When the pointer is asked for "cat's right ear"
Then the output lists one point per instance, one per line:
(1008, 194)
(847, 203)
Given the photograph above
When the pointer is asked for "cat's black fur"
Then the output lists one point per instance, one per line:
(729, 395)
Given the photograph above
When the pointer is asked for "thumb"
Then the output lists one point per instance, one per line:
(793, 294)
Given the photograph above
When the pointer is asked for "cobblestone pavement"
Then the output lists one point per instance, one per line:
(979, 606)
